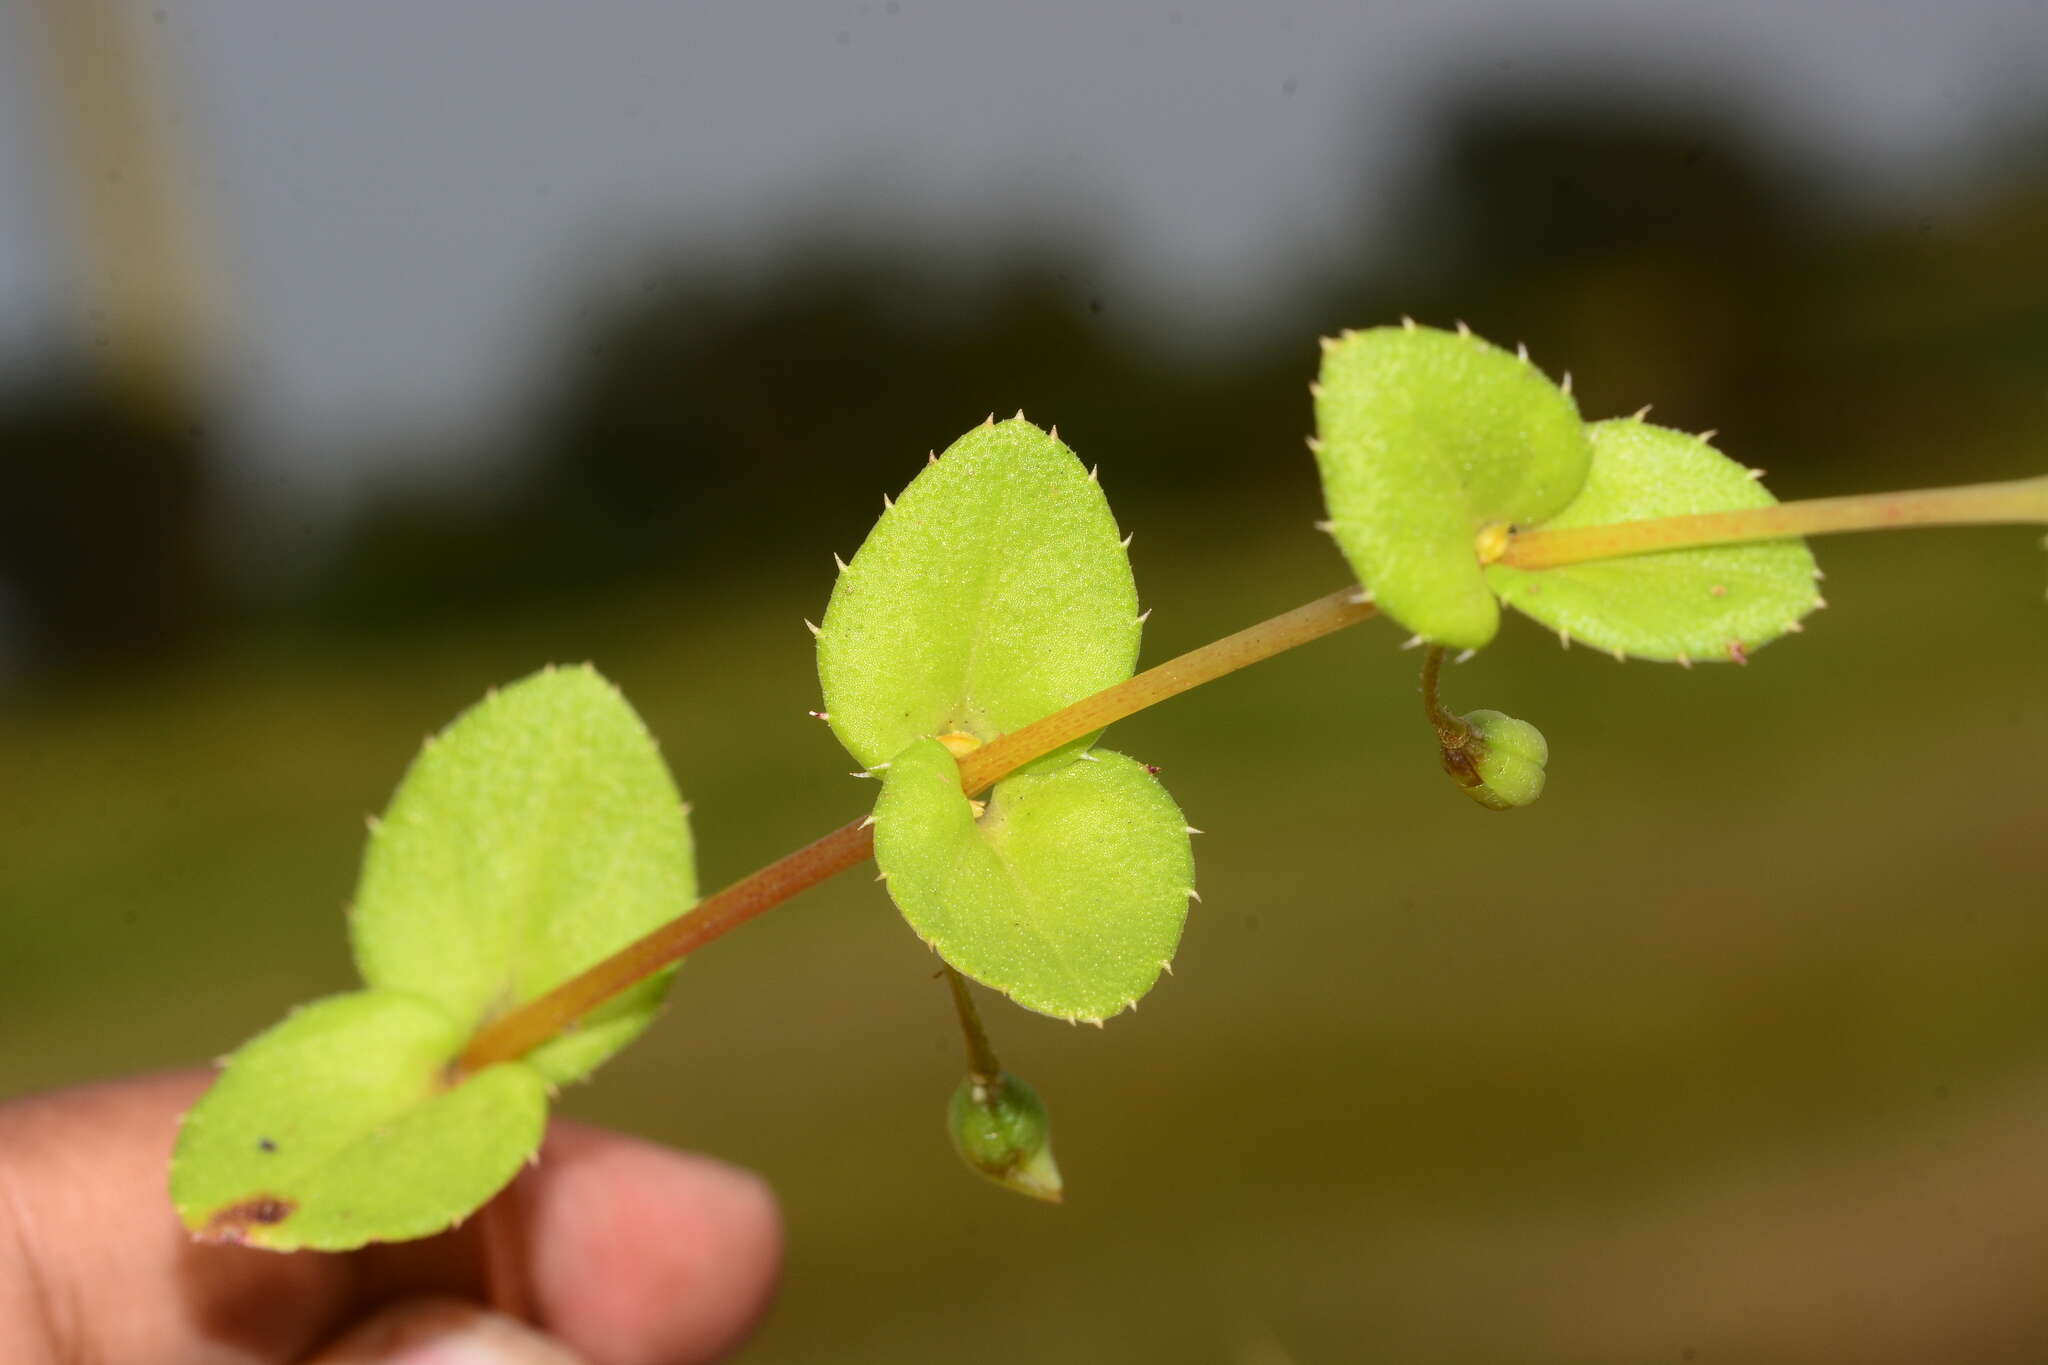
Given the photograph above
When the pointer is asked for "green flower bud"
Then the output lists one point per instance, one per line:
(1499, 761)
(1000, 1128)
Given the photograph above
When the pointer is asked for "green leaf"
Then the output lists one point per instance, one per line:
(534, 836)
(337, 1127)
(994, 592)
(1713, 602)
(1067, 895)
(1426, 438)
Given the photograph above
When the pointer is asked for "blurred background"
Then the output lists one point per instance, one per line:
(356, 358)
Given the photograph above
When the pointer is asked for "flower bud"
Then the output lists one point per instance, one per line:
(1499, 762)
(1000, 1128)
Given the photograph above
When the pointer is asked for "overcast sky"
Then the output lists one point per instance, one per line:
(406, 192)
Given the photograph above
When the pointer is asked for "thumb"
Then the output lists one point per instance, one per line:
(443, 1332)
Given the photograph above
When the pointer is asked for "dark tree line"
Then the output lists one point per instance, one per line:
(1659, 254)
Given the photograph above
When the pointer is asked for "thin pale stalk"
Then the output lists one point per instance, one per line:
(981, 1056)
(1004, 755)
(1451, 732)
(518, 1032)
(2017, 501)
(1454, 742)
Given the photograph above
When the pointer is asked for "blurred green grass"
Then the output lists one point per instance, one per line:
(1731, 1045)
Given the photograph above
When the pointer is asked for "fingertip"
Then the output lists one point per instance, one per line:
(642, 1254)
(438, 1331)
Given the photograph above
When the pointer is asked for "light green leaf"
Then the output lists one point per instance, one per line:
(337, 1127)
(1426, 438)
(1714, 602)
(1067, 895)
(993, 593)
(534, 836)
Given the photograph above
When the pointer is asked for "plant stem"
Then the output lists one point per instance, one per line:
(1451, 732)
(519, 1031)
(981, 1058)
(501, 1233)
(2020, 500)
(1454, 742)
(1005, 754)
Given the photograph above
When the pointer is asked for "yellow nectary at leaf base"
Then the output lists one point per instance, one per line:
(995, 591)
(1425, 439)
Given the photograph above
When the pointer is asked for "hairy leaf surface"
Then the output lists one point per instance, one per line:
(994, 592)
(1425, 438)
(1067, 895)
(534, 836)
(337, 1127)
(1713, 602)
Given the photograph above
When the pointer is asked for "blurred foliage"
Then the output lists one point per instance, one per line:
(1652, 254)
(1730, 1043)
(710, 422)
(1727, 1050)
(107, 526)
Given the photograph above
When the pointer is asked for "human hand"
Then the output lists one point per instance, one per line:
(630, 1253)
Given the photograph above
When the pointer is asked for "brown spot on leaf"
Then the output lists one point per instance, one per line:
(233, 1223)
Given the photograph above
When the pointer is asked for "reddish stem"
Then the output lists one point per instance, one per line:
(518, 1032)
(513, 1035)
